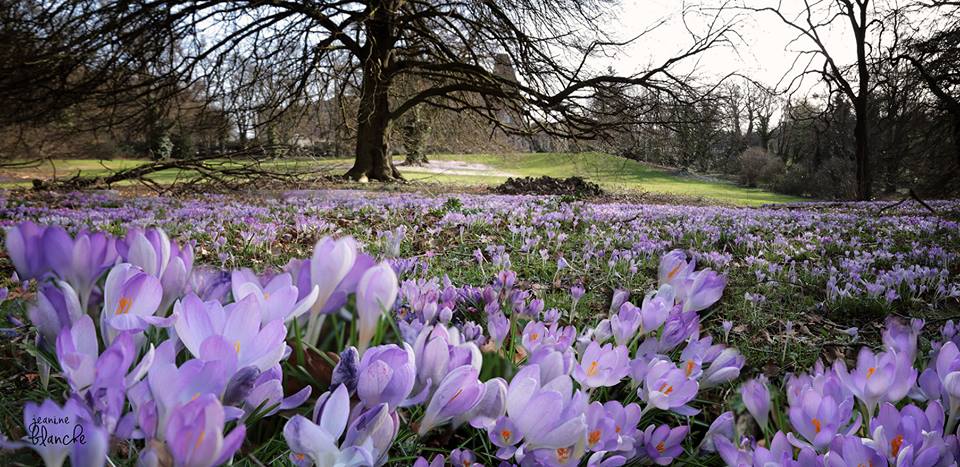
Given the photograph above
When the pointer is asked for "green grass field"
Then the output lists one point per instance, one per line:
(613, 173)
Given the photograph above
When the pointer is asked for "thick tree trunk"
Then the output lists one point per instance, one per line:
(372, 157)
(862, 157)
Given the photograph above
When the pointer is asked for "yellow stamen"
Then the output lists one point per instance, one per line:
(690, 366)
(594, 368)
(534, 336)
(236, 347)
(668, 388)
(816, 425)
(871, 371)
(505, 435)
(123, 306)
(618, 429)
(200, 439)
(661, 447)
(456, 395)
(563, 454)
(195, 396)
(266, 295)
(594, 437)
(299, 456)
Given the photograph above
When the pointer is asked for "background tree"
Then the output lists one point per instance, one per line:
(316, 50)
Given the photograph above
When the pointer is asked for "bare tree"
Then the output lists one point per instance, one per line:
(315, 50)
(810, 24)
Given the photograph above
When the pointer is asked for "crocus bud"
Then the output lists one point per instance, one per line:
(376, 293)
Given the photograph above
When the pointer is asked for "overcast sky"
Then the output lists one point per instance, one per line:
(764, 52)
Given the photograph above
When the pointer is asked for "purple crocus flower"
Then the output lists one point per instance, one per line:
(458, 393)
(756, 397)
(602, 366)
(625, 323)
(375, 427)
(463, 458)
(907, 432)
(902, 338)
(704, 288)
(439, 350)
(24, 244)
(602, 433)
(576, 292)
(57, 306)
(674, 268)
(490, 408)
(505, 435)
(656, 309)
(948, 371)
(171, 386)
(386, 374)
(236, 327)
(318, 441)
(277, 300)
(886, 376)
(437, 461)
(547, 416)
(818, 417)
(131, 297)
(722, 427)
(267, 394)
(80, 261)
(667, 387)
(376, 292)
(498, 325)
(620, 296)
(781, 452)
(723, 369)
(332, 260)
(195, 434)
(851, 450)
(662, 444)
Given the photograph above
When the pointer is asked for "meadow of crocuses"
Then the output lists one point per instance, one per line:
(354, 328)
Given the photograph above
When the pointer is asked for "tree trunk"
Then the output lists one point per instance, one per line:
(862, 157)
(372, 157)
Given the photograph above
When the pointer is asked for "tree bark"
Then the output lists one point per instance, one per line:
(372, 156)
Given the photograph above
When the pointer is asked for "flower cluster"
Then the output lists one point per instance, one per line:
(179, 362)
(885, 410)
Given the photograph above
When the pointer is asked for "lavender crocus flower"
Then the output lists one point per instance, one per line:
(602, 433)
(948, 371)
(330, 264)
(318, 441)
(886, 376)
(236, 327)
(907, 432)
(57, 306)
(195, 434)
(505, 435)
(266, 394)
(818, 417)
(674, 268)
(667, 387)
(721, 427)
(459, 392)
(625, 323)
(386, 374)
(851, 450)
(24, 244)
(80, 261)
(375, 427)
(376, 292)
(756, 397)
(662, 444)
(547, 416)
(498, 325)
(602, 366)
(704, 288)
(131, 297)
(277, 300)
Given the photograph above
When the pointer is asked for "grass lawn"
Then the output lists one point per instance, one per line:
(611, 172)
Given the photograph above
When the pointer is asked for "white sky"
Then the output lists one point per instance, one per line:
(763, 52)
